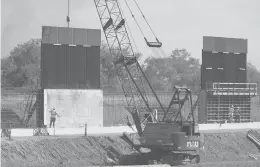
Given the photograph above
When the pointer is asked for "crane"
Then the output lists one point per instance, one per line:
(129, 71)
(169, 138)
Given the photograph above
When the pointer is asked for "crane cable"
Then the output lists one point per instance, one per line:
(128, 29)
(159, 51)
(156, 51)
(134, 18)
(145, 19)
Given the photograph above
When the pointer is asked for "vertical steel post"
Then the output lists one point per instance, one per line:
(86, 125)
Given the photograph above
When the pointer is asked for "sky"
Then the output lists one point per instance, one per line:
(177, 23)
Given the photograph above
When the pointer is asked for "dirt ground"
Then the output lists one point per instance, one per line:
(221, 149)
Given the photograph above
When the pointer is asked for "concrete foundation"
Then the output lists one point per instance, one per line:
(75, 107)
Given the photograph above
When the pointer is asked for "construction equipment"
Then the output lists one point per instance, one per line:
(41, 131)
(170, 138)
(6, 133)
(173, 140)
(253, 138)
(6, 129)
(29, 107)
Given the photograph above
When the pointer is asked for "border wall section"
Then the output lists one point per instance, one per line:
(225, 90)
(70, 77)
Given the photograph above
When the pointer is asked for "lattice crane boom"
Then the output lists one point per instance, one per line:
(132, 78)
(129, 71)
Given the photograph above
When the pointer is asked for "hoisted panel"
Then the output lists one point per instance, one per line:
(156, 44)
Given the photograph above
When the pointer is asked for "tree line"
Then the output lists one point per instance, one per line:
(22, 68)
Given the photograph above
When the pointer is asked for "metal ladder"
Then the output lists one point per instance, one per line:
(28, 111)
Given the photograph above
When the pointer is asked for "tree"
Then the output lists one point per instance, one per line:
(22, 67)
(109, 79)
(253, 75)
(177, 69)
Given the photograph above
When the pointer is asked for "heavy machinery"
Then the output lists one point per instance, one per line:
(170, 138)
(173, 138)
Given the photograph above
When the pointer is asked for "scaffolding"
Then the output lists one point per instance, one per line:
(222, 98)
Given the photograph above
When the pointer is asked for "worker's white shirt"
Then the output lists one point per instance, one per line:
(53, 114)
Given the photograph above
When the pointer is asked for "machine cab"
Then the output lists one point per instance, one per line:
(190, 129)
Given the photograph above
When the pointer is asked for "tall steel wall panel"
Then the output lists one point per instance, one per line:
(61, 64)
(70, 67)
(93, 64)
(227, 58)
(212, 68)
(230, 68)
(73, 36)
(241, 63)
(211, 59)
(220, 44)
(241, 60)
(235, 68)
(225, 67)
(77, 67)
(70, 58)
(202, 77)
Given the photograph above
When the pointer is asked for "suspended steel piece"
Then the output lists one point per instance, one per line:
(156, 44)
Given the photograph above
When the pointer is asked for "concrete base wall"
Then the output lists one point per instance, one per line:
(75, 107)
(118, 130)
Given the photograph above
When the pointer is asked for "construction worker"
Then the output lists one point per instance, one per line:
(53, 117)
(231, 113)
(237, 115)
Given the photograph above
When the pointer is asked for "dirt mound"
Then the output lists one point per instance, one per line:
(62, 151)
(232, 146)
(65, 151)
(256, 134)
